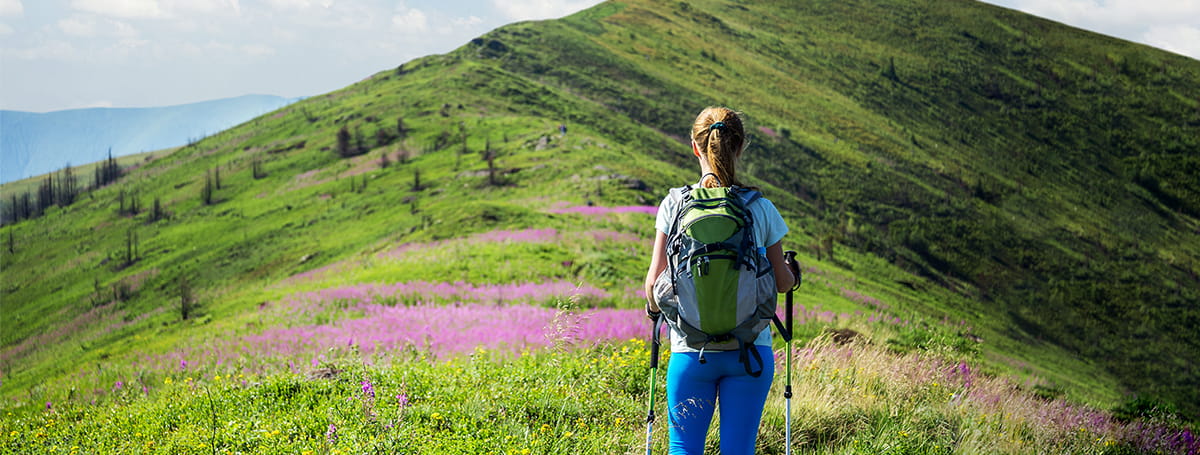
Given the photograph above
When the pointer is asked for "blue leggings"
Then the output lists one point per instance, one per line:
(693, 390)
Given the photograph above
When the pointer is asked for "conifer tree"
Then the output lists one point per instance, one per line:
(186, 302)
(130, 247)
(256, 169)
(206, 193)
(68, 187)
(14, 209)
(156, 213)
(360, 144)
(490, 155)
(134, 207)
(343, 143)
(45, 194)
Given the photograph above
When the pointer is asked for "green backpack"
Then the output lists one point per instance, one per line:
(718, 289)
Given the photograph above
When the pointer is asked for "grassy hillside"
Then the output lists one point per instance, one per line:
(964, 183)
(1042, 172)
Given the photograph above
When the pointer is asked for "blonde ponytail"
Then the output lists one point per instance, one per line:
(720, 137)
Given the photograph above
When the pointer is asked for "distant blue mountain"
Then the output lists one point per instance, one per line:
(33, 144)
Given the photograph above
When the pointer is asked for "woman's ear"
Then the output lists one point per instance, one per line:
(695, 149)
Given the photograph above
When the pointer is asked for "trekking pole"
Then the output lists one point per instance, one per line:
(654, 343)
(789, 258)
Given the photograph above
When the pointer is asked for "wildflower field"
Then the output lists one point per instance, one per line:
(540, 366)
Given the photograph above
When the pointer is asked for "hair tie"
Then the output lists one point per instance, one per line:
(716, 125)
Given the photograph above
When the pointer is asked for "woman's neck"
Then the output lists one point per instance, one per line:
(705, 169)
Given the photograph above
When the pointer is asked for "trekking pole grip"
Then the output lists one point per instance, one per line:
(655, 326)
(789, 258)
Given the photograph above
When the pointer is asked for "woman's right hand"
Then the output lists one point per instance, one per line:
(652, 311)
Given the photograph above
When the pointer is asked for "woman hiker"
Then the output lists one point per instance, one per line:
(697, 381)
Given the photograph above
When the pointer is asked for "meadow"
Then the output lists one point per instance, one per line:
(546, 366)
(1001, 207)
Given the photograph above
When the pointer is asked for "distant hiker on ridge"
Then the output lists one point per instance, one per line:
(716, 269)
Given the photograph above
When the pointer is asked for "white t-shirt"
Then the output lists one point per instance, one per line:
(769, 228)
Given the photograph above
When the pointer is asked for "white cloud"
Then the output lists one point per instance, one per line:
(122, 29)
(50, 50)
(299, 5)
(290, 4)
(469, 21)
(284, 34)
(122, 48)
(78, 26)
(156, 9)
(257, 50)
(127, 9)
(520, 10)
(89, 27)
(410, 21)
(5, 29)
(459, 26)
(1180, 39)
(11, 8)
(205, 6)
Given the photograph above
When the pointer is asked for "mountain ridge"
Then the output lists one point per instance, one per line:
(34, 142)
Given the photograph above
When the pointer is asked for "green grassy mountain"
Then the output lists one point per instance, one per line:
(937, 161)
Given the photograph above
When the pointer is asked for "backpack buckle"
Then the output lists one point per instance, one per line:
(700, 265)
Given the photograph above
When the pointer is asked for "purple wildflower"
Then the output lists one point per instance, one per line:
(368, 389)
(331, 434)
(402, 400)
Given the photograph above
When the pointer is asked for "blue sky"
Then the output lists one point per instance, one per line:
(64, 54)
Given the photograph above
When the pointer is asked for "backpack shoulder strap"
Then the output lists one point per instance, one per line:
(680, 196)
(747, 195)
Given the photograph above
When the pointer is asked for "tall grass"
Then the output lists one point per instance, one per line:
(862, 398)
(855, 398)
